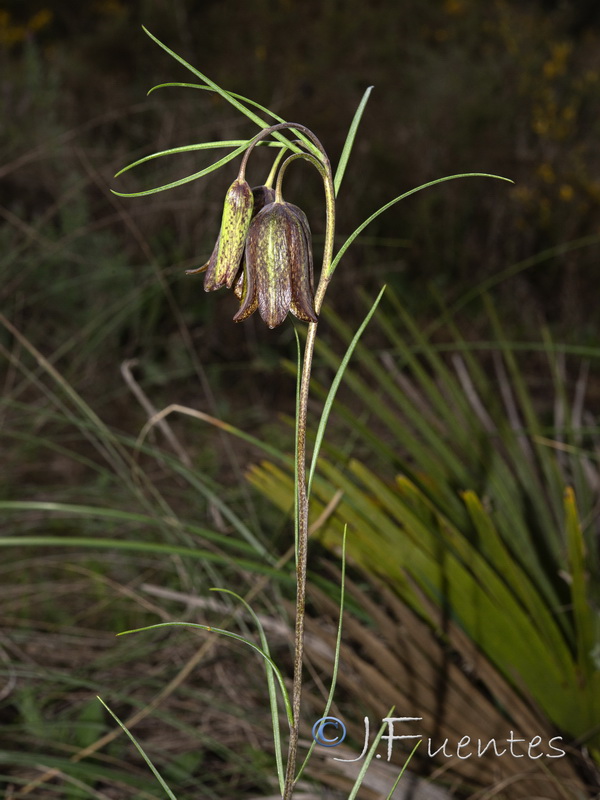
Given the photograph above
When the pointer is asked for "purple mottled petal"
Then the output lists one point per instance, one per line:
(245, 289)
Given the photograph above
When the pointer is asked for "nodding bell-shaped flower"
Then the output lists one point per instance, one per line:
(278, 272)
(224, 264)
(241, 204)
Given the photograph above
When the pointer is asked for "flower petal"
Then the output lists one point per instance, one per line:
(245, 290)
(226, 258)
(302, 278)
(278, 271)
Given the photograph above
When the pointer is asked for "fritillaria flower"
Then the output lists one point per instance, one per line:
(241, 204)
(277, 276)
(264, 250)
(224, 264)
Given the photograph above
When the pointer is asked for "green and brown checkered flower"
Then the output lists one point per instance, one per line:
(277, 276)
(264, 250)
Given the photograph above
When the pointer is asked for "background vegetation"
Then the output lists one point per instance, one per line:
(101, 327)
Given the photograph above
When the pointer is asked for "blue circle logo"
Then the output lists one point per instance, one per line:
(320, 735)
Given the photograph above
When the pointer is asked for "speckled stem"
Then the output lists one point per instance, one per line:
(302, 499)
(319, 149)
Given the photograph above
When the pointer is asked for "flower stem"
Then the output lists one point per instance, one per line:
(313, 143)
(302, 499)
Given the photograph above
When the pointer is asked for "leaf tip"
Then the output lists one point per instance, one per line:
(569, 495)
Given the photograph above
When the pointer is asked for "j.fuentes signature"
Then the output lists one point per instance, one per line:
(331, 731)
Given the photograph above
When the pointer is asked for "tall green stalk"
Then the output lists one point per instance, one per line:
(323, 165)
(264, 253)
(301, 486)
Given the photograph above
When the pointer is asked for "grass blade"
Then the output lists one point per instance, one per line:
(230, 635)
(190, 148)
(239, 97)
(155, 548)
(140, 750)
(584, 627)
(188, 179)
(379, 211)
(406, 763)
(117, 515)
(230, 97)
(348, 144)
(270, 683)
(334, 387)
(367, 762)
(214, 86)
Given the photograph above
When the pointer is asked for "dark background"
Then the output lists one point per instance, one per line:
(510, 88)
(89, 280)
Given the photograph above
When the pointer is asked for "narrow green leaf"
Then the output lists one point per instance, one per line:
(188, 179)
(370, 219)
(334, 387)
(270, 685)
(239, 97)
(230, 97)
(230, 635)
(214, 86)
(567, 429)
(188, 148)
(140, 750)
(549, 512)
(515, 269)
(155, 548)
(117, 515)
(405, 765)
(438, 450)
(404, 437)
(348, 144)
(370, 756)
(507, 567)
(582, 611)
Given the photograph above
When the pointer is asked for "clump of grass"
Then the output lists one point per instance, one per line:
(477, 510)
